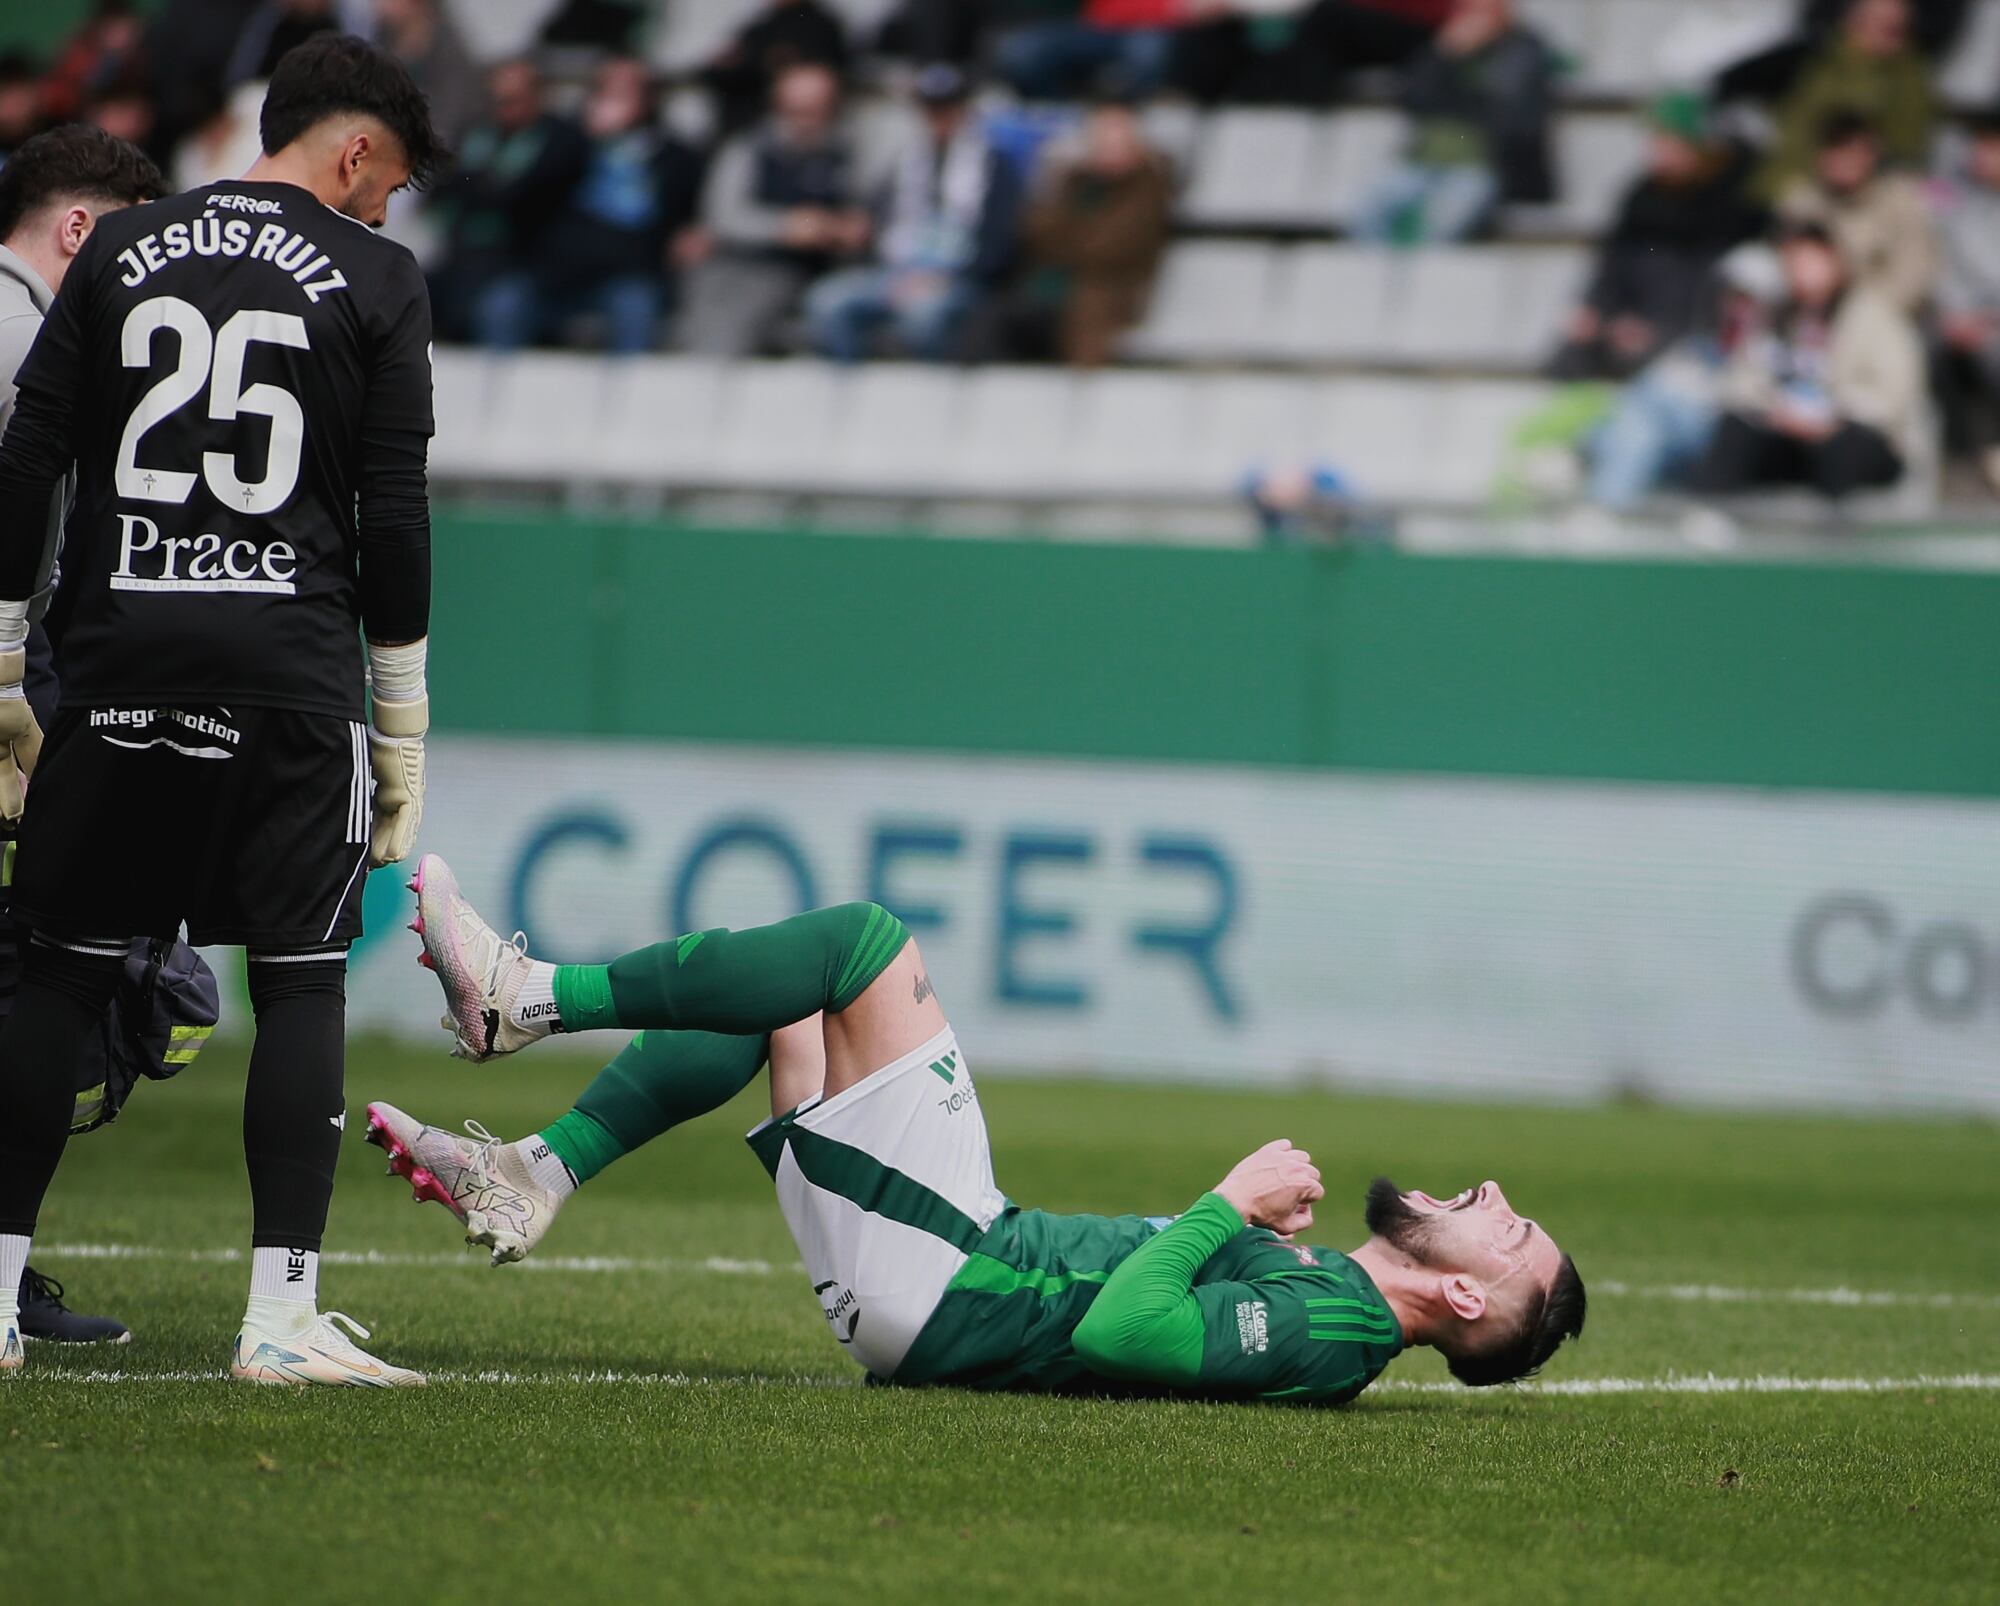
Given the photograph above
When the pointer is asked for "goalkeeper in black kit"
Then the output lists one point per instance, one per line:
(241, 376)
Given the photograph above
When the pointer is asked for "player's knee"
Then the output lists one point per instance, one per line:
(276, 977)
(870, 939)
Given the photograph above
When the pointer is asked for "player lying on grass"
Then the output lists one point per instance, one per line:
(925, 1271)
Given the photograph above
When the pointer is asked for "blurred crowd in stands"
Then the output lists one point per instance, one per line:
(1803, 279)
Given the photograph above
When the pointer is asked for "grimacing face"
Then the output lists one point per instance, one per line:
(1477, 1233)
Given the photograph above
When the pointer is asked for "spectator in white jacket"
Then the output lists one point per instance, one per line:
(1831, 396)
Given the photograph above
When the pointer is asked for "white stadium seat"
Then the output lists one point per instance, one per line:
(545, 415)
(693, 31)
(1379, 434)
(1971, 76)
(1480, 307)
(1246, 421)
(897, 421)
(1450, 307)
(777, 424)
(493, 29)
(1543, 284)
(1212, 302)
(1477, 420)
(1628, 49)
(1131, 434)
(1333, 304)
(1359, 145)
(933, 433)
(1259, 168)
(460, 389)
(864, 18)
(662, 420)
(1015, 429)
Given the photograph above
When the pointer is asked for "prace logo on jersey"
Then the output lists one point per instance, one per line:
(148, 561)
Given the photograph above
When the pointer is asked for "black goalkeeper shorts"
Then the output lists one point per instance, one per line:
(251, 825)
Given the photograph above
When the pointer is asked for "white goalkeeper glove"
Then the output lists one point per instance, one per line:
(20, 736)
(401, 716)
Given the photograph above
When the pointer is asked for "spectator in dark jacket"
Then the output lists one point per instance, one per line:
(1770, 73)
(1478, 101)
(935, 30)
(946, 238)
(1337, 37)
(1871, 67)
(422, 36)
(188, 45)
(1654, 266)
(783, 205)
(784, 34)
(278, 26)
(20, 101)
(608, 252)
(1096, 233)
(515, 171)
(1127, 43)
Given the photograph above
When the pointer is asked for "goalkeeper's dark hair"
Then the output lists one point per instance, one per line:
(335, 74)
(1550, 1318)
(74, 163)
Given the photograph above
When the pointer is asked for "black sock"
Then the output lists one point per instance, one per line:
(62, 1000)
(294, 1104)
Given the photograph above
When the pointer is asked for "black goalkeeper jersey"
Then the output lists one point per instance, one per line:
(243, 378)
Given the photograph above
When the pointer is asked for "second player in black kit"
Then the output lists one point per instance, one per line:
(242, 376)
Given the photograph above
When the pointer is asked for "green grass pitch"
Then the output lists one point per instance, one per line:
(685, 1429)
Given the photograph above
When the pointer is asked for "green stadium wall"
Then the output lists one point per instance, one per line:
(1829, 676)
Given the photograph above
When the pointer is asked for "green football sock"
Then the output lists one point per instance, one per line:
(736, 982)
(658, 1081)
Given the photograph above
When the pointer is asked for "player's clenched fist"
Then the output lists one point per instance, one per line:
(1275, 1187)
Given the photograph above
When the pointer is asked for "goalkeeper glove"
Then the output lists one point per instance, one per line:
(20, 736)
(400, 717)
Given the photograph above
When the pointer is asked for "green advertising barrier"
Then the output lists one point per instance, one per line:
(1789, 675)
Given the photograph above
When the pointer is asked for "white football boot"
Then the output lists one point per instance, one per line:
(12, 1355)
(482, 1181)
(315, 1351)
(482, 972)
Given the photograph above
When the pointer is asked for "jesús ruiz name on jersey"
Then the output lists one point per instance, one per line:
(147, 561)
(213, 235)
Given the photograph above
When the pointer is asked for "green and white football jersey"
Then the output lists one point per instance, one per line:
(927, 1273)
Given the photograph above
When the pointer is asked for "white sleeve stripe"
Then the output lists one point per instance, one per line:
(357, 813)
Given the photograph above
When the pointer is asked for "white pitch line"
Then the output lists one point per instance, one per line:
(1778, 1383)
(1967, 1382)
(1711, 1293)
(465, 1260)
(720, 1265)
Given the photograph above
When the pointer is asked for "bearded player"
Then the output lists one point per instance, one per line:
(925, 1271)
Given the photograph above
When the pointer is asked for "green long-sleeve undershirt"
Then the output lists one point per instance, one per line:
(1146, 1326)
